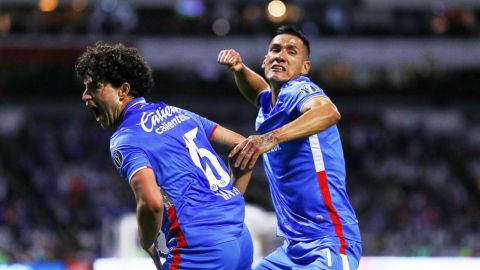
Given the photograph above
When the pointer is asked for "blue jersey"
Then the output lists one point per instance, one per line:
(306, 175)
(202, 206)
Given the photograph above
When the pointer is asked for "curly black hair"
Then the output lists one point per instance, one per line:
(115, 64)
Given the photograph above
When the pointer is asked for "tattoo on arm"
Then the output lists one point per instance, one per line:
(265, 141)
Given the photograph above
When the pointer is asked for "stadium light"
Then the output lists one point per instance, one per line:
(47, 5)
(277, 8)
(276, 11)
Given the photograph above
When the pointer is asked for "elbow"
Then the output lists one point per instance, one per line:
(152, 207)
(334, 117)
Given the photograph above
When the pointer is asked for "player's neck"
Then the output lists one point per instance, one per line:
(275, 93)
(275, 87)
(123, 106)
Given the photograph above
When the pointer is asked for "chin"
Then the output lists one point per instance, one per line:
(276, 79)
(273, 77)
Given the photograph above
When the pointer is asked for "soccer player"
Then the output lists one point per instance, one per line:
(302, 155)
(181, 185)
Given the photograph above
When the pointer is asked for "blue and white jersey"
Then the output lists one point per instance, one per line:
(306, 175)
(202, 206)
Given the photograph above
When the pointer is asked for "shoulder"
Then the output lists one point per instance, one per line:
(264, 96)
(304, 86)
(122, 136)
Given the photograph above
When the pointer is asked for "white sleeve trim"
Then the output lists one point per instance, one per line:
(134, 172)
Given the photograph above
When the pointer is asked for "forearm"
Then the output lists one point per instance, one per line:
(149, 222)
(241, 178)
(229, 138)
(309, 123)
(241, 183)
(226, 137)
(250, 84)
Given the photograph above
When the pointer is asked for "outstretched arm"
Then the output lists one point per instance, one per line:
(149, 210)
(317, 114)
(248, 82)
(229, 138)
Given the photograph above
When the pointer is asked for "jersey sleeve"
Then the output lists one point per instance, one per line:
(128, 160)
(207, 125)
(307, 91)
(263, 98)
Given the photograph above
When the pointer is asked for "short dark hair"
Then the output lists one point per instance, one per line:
(292, 30)
(115, 64)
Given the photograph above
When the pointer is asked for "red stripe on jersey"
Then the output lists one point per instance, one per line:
(213, 131)
(332, 212)
(177, 231)
(175, 259)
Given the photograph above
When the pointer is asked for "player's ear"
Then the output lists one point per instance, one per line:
(306, 67)
(124, 90)
(264, 62)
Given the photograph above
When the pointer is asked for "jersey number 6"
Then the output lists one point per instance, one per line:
(197, 154)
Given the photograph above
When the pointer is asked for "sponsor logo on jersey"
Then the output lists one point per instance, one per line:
(117, 158)
(157, 121)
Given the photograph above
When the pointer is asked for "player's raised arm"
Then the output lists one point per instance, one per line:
(318, 114)
(149, 209)
(230, 138)
(248, 82)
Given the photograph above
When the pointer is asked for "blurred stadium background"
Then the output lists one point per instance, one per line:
(405, 74)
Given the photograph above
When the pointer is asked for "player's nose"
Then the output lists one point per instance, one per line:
(279, 57)
(86, 96)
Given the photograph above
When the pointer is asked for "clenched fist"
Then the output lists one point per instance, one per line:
(230, 58)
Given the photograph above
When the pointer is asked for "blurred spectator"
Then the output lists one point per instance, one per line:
(198, 17)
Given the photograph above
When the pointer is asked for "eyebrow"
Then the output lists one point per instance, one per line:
(292, 47)
(280, 45)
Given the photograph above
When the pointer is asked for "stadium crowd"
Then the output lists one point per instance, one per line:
(221, 18)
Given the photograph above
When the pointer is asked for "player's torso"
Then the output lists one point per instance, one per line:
(193, 178)
(292, 169)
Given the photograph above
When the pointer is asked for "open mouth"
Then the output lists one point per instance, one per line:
(278, 68)
(96, 112)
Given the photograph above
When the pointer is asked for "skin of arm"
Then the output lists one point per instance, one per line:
(149, 209)
(248, 82)
(317, 114)
(229, 138)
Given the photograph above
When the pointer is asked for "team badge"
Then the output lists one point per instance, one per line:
(308, 89)
(117, 158)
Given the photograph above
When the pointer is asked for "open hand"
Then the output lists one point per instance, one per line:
(251, 148)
